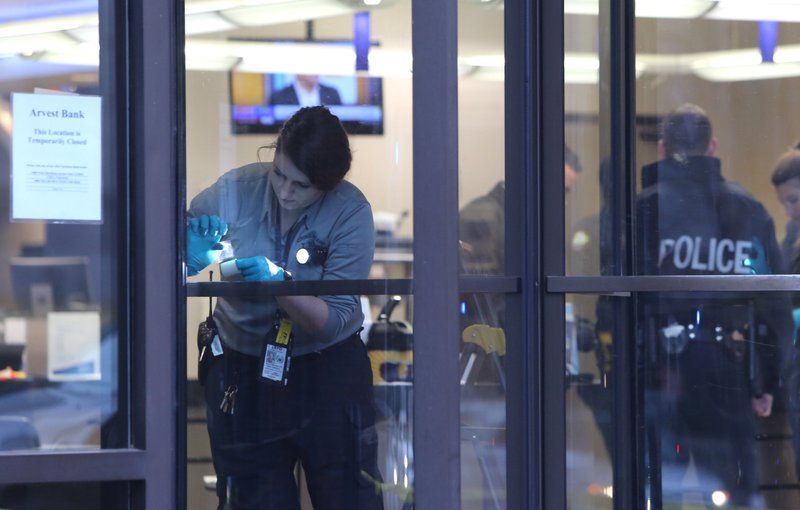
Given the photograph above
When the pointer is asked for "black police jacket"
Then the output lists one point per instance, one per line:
(691, 221)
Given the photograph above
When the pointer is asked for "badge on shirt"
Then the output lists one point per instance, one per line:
(277, 353)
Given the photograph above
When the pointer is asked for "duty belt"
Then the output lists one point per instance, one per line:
(675, 337)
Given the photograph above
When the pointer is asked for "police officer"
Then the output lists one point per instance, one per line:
(716, 357)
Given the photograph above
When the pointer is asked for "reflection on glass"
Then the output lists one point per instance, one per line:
(719, 390)
(584, 132)
(692, 220)
(389, 341)
(587, 206)
(786, 179)
(716, 364)
(721, 385)
(483, 404)
(482, 230)
(237, 104)
(481, 125)
(390, 344)
(59, 318)
(482, 233)
(66, 496)
(589, 332)
(583, 235)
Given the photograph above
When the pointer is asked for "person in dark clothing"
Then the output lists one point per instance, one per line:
(786, 179)
(714, 360)
(288, 378)
(482, 223)
(481, 230)
(591, 251)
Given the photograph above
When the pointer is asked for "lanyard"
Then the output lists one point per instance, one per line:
(281, 248)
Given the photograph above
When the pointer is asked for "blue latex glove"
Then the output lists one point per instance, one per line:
(260, 269)
(203, 236)
(796, 315)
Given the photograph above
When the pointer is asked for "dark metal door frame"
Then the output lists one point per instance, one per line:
(141, 69)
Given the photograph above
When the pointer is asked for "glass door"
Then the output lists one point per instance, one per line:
(434, 432)
(85, 335)
(680, 355)
(301, 111)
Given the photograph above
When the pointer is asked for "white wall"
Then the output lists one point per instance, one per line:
(382, 164)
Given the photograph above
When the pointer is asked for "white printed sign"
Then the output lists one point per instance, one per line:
(73, 346)
(56, 158)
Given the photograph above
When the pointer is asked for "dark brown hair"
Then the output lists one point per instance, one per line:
(316, 142)
(686, 131)
(787, 167)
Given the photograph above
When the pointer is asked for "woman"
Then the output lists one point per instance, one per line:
(786, 179)
(294, 215)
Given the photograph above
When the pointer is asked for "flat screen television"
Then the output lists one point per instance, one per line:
(47, 284)
(261, 102)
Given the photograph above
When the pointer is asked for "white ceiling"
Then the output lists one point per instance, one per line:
(40, 36)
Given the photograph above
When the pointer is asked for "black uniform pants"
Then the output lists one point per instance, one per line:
(324, 418)
(706, 412)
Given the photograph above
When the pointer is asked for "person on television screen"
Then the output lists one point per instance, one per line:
(294, 217)
(306, 90)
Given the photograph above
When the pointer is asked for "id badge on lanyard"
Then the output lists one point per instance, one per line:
(277, 353)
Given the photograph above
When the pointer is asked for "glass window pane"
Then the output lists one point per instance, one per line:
(482, 229)
(719, 389)
(481, 116)
(244, 79)
(589, 330)
(483, 401)
(390, 344)
(586, 140)
(741, 67)
(715, 198)
(61, 264)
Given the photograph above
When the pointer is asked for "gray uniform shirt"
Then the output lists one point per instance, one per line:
(338, 228)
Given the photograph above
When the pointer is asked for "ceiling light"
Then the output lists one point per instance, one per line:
(86, 33)
(744, 64)
(27, 44)
(673, 8)
(206, 22)
(81, 55)
(787, 54)
(586, 7)
(647, 8)
(744, 72)
(720, 497)
(44, 25)
(285, 12)
(579, 68)
(20, 68)
(356, 4)
(727, 58)
(484, 61)
(266, 57)
(763, 10)
(397, 64)
(201, 6)
(196, 62)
